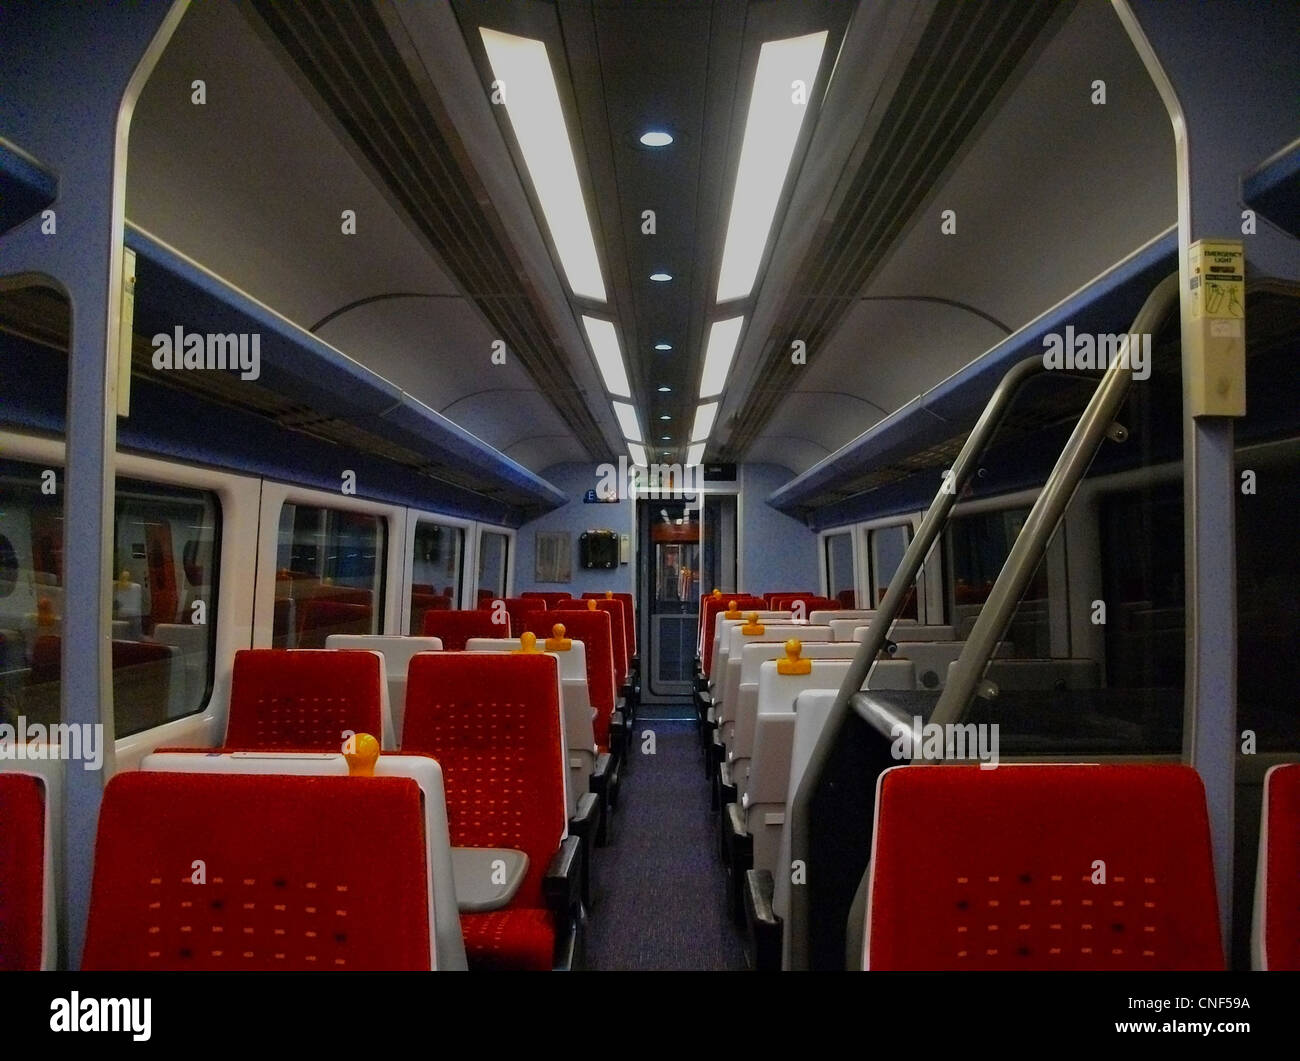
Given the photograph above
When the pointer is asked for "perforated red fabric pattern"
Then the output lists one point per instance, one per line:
(1282, 901)
(301, 873)
(517, 608)
(618, 642)
(303, 699)
(593, 630)
(455, 628)
(629, 617)
(22, 871)
(1001, 869)
(515, 938)
(493, 723)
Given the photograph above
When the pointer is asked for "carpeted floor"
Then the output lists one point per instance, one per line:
(658, 899)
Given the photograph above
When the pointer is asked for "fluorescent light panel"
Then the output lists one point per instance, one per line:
(609, 357)
(721, 348)
(533, 106)
(771, 130)
(627, 421)
(704, 417)
(637, 453)
(695, 455)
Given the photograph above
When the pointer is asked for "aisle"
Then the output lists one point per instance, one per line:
(658, 889)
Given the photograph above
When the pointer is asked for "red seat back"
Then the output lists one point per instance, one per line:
(493, 723)
(457, 627)
(22, 871)
(552, 599)
(1277, 917)
(593, 630)
(711, 607)
(629, 617)
(1000, 869)
(618, 641)
(318, 617)
(302, 873)
(780, 599)
(847, 598)
(517, 608)
(303, 699)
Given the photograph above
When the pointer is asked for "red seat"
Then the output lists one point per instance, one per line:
(22, 872)
(517, 608)
(1275, 942)
(493, 723)
(457, 627)
(552, 599)
(593, 630)
(1002, 869)
(618, 642)
(711, 607)
(847, 598)
(334, 878)
(629, 617)
(422, 603)
(318, 617)
(303, 699)
(778, 600)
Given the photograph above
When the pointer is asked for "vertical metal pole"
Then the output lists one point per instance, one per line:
(1231, 106)
(71, 108)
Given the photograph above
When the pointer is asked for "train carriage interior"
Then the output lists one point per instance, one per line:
(716, 485)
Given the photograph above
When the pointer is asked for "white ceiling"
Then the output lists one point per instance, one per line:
(252, 185)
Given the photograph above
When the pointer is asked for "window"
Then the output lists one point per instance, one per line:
(839, 569)
(438, 555)
(977, 547)
(493, 554)
(165, 555)
(886, 547)
(329, 575)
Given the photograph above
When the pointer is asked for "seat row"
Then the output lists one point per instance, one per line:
(506, 888)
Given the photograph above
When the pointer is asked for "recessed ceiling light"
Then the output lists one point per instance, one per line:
(771, 131)
(656, 138)
(637, 453)
(695, 455)
(665, 438)
(665, 390)
(661, 278)
(663, 346)
(537, 118)
(665, 417)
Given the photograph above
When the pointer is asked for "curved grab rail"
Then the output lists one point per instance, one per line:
(1047, 511)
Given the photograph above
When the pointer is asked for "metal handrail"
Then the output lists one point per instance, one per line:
(1048, 510)
(1015, 575)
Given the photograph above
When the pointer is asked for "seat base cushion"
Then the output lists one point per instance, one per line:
(519, 938)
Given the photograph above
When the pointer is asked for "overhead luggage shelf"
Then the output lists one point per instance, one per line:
(1274, 188)
(305, 383)
(947, 410)
(25, 187)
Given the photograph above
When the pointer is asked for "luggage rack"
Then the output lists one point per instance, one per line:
(831, 819)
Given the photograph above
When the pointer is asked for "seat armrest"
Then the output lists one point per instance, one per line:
(562, 885)
(587, 814)
(762, 921)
